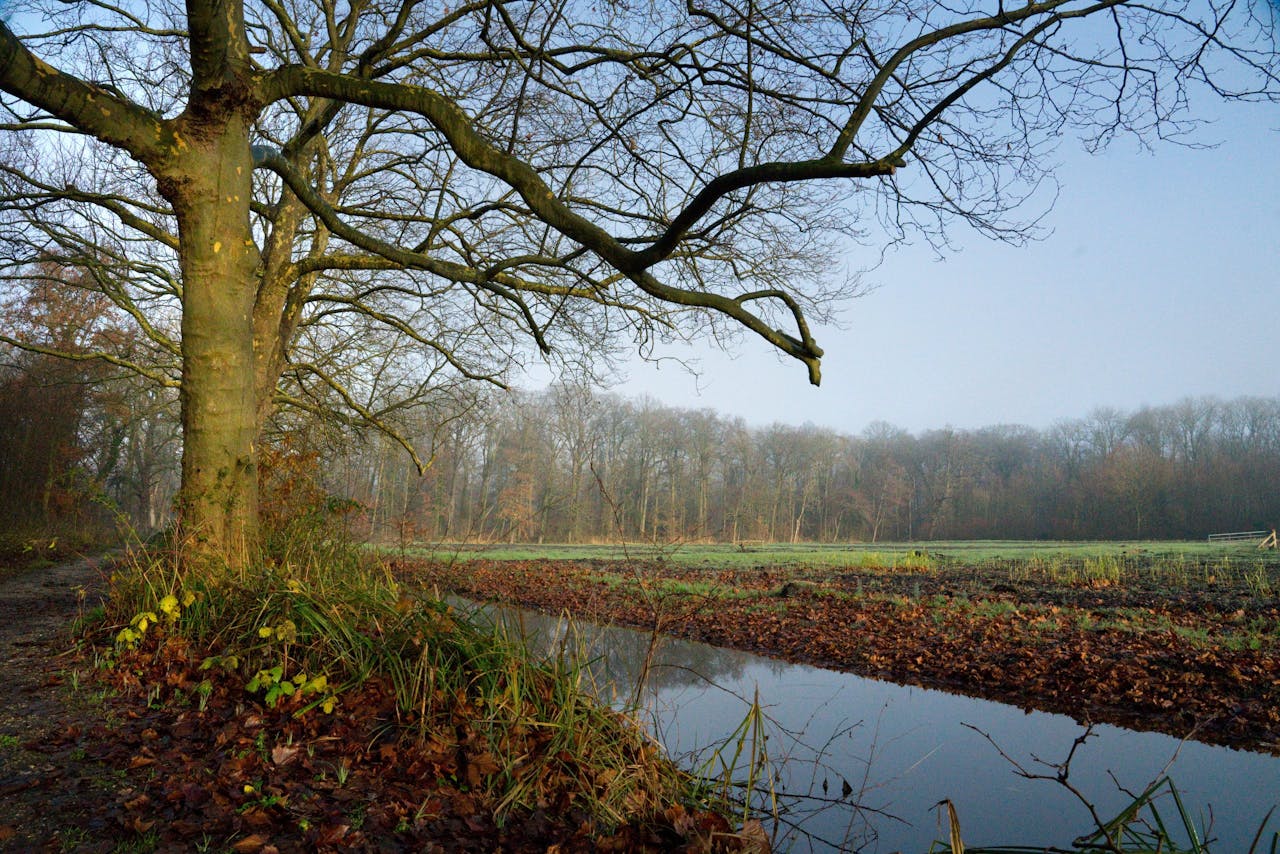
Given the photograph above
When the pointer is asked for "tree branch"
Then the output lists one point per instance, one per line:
(106, 115)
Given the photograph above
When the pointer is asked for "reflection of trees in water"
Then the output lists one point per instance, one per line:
(817, 807)
(616, 655)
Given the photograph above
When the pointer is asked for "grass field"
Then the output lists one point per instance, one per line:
(1177, 563)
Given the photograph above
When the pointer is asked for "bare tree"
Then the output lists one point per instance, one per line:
(262, 185)
(508, 468)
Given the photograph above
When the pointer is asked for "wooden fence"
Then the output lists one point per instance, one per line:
(1267, 538)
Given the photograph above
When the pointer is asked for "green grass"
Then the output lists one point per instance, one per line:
(657, 588)
(1150, 565)
(1104, 558)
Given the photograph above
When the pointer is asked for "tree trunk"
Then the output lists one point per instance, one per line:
(210, 191)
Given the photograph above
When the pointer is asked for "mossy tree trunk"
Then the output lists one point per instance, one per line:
(207, 178)
(210, 191)
(203, 166)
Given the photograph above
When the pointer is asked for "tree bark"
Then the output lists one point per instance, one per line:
(209, 187)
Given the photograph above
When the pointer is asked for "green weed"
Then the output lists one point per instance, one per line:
(72, 839)
(992, 608)
(144, 843)
(1197, 636)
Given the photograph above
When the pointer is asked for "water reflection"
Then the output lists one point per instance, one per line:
(863, 763)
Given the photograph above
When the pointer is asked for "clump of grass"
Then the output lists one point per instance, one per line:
(1104, 570)
(1257, 580)
(315, 626)
(703, 590)
(917, 560)
(993, 608)
(741, 768)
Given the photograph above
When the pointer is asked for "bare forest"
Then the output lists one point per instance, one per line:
(82, 444)
(568, 466)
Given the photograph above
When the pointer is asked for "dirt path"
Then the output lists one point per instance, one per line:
(56, 795)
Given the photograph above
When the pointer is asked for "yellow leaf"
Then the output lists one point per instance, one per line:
(264, 632)
(328, 704)
(188, 598)
(169, 605)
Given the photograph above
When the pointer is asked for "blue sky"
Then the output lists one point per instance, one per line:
(1161, 279)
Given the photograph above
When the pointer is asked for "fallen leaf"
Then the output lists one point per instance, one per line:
(282, 755)
(250, 844)
(333, 834)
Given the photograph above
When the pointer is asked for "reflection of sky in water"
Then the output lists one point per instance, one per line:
(906, 749)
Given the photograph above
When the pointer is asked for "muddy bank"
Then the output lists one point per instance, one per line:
(159, 753)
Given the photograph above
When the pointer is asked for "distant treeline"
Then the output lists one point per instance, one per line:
(572, 465)
(81, 445)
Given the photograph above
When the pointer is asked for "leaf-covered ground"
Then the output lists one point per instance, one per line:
(157, 754)
(1199, 660)
(49, 788)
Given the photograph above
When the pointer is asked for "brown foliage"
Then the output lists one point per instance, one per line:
(214, 764)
